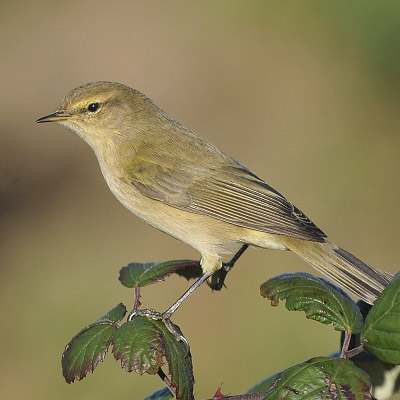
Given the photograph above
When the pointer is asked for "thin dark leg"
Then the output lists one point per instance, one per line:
(218, 283)
(229, 265)
(167, 314)
(226, 267)
(218, 279)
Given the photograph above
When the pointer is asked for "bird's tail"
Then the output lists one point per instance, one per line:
(342, 267)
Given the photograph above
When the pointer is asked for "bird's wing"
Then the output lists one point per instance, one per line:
(230, 193)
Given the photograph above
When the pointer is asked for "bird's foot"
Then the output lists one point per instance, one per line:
(166, 318)
(148, 313)
(218, 278)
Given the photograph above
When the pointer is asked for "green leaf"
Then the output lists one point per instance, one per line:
(320, 300)
(136, 274)
(179, 363)
(139, 347)
(86, 349)
(90, 345)
(190, 270)
(162, 394)
(381, 331)
(318, 378)
(144, 344)
(114, 315)
(384, 376)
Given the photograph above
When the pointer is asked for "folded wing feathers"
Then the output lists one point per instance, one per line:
(233, 194)
(251, 204)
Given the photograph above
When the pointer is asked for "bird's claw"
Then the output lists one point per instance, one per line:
(165, 317)
(149, 313)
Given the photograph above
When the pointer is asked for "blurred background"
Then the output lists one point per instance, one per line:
(306, 94)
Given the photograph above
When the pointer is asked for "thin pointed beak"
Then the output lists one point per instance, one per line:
(55, 117)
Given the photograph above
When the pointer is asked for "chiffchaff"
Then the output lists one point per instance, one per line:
(184, 186)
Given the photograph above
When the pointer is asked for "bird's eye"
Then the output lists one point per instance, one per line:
(93, 107)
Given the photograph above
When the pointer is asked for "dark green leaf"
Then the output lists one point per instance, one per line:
(144, 344)
(90, 345)
(179, 363)
(384, 376)
(318, 378)
(139, 346)
(381, 331)
(86, 349)
(114, 315)
(162, 394)
(136, 274)
(320, 300)
(190, 270)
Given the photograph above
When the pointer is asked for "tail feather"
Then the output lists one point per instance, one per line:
(342, 267)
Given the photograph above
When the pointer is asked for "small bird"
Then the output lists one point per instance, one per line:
(184, 186)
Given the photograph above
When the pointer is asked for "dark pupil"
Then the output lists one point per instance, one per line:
(93, 107)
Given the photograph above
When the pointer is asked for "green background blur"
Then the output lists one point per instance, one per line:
(306, 94)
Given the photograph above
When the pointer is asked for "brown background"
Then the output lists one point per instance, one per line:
(305, 94)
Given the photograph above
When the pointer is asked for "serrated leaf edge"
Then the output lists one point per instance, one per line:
(93, 361)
